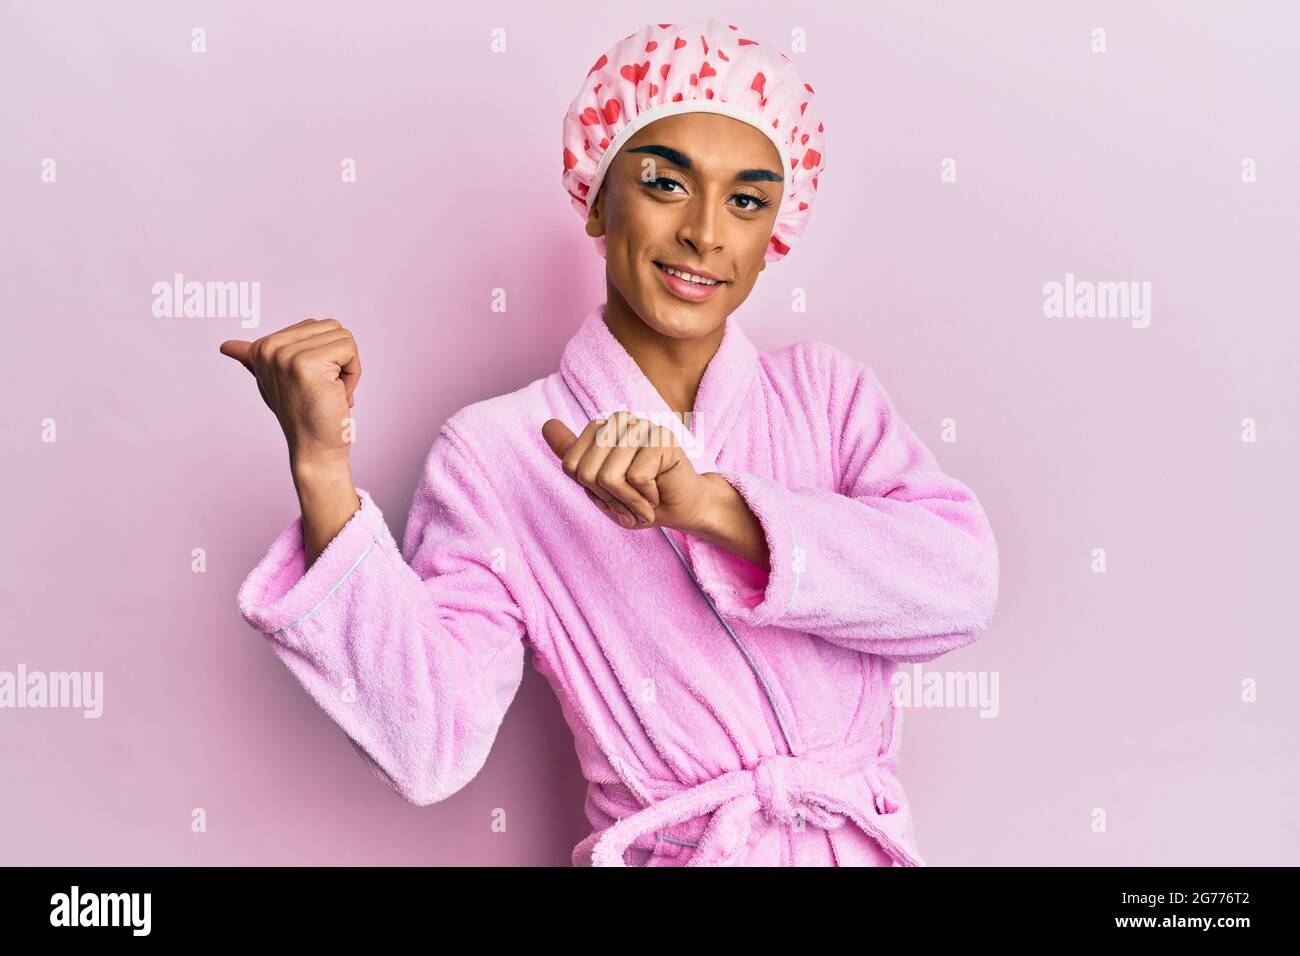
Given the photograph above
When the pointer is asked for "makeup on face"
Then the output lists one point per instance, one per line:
(681, 277)
(691, 285)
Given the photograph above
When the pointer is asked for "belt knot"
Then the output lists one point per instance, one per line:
(787, 789)
(772, 787)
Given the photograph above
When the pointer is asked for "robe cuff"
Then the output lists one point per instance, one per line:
(277, 594)
(741, 589)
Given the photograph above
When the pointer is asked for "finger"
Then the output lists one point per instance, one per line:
(350, 373)
(575, 452)
(558, 436)
(596, 472)
(268, 345)
(287, 352)
(587, 464)
(616, 429)
(643, 472)
(338, 349)
(237, 349)
(612, 473)
(614, 509)
(602, 506)
(582, 460)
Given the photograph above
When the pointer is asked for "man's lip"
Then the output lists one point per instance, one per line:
(693, 271)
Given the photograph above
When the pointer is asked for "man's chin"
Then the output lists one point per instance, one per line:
(680, 320)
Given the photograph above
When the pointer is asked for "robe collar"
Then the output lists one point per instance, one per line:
(604, 378)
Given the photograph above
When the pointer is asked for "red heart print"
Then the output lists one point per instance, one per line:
(590, 117)
(678, 43)
(635, 72)
(611, 111)
(707, 70)
(811, 158)
(757, 85)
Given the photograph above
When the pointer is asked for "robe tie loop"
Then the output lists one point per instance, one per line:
(779, 790)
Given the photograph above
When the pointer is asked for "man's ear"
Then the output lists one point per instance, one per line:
(595, 214)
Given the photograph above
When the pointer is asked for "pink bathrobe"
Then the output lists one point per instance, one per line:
(722, 714)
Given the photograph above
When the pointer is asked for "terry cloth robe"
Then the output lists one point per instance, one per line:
(722, 713)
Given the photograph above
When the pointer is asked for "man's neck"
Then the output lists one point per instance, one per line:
(673, 366)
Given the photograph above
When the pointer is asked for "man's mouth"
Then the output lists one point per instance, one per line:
(697, 278)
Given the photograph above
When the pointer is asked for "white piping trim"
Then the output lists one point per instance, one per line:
(673, 108)
(337, 584)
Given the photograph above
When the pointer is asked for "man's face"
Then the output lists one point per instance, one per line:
(696, 192)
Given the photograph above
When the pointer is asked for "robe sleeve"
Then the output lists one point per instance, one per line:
(416, 654)
(900, 561)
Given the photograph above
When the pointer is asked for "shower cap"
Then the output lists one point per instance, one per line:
(701, 66)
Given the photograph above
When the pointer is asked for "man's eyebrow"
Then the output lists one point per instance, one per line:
(678, 158)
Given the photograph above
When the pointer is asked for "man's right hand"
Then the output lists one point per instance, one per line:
(307, 374)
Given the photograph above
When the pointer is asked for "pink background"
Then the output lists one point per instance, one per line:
(1119, 691)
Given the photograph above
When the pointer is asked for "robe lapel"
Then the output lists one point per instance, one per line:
(604, 378)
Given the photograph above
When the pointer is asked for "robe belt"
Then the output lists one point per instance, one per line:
(782, 788)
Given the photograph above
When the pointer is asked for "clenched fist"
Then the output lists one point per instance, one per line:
(307, 374)
(633, 470)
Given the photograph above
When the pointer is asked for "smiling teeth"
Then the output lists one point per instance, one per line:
(689, 277)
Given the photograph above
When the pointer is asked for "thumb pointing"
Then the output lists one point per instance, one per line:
(558, 436)
(238, 350)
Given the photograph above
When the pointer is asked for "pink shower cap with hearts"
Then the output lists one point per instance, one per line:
(702, 66)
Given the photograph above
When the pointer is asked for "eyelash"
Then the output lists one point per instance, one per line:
(759, 203)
